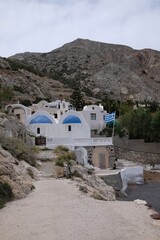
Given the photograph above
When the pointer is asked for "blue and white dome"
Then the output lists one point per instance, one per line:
(41, 119)
(70, 119)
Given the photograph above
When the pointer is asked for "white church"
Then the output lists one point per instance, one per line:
(58, 123)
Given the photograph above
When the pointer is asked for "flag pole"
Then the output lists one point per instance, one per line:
(113, 128)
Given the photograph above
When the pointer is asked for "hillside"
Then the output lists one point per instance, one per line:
(118, 71)
(28, 84)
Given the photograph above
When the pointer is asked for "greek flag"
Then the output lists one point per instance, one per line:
(110, 117)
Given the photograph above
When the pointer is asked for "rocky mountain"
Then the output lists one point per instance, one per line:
(118, 71)
(28, 84)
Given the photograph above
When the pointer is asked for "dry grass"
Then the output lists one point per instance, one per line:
(151, 176)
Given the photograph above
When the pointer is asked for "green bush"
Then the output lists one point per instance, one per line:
(5, 193)
(64, 156)
(60, 161)
(60, 150)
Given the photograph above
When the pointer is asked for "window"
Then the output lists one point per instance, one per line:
(55, 115)
(69, 128)
(93, 116)
(38, 130)
(18, 116)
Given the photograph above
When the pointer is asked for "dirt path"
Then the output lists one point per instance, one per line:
(57, 210)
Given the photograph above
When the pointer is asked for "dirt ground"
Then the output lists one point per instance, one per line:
(57, 210)
(152, 176)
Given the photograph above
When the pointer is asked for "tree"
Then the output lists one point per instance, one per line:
(138, 124)
(155, 133)
(6, 95)
(76, 97)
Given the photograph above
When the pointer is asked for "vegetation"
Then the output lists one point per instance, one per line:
(139, 120)
(140, 124)
(26, 102)
(97, 196)
(76, 97)
(64, 156)
(5, 193)
(19, 149)
(6, 95)
(16, 65)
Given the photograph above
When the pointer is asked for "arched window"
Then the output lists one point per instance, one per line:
(69, 128)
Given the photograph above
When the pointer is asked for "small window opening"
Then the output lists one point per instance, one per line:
(55, 115)
(69, 128)
(93, 116)
(38, 130)
(18, 116)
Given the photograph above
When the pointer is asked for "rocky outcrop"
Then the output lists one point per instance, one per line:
(19, 175)
(28, 86)
(91, 184)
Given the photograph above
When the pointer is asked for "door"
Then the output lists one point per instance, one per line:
(40, 140)
(102, 161)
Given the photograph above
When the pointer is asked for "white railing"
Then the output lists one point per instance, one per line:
(59, 141)
(92, 141)
(79, 142)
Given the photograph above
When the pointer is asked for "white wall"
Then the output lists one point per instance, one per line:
(132, 175)
(81, 154)
(98, 110)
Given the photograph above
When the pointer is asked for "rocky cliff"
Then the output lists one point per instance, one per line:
(119, 71)
(28, 84)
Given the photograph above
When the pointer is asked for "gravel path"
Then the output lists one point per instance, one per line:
(57, 210)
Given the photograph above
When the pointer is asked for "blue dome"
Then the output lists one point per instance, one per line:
(71, 119)
(40, 119)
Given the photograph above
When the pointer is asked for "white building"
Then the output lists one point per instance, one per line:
(94, 115)
(56, 108)
(55, 124)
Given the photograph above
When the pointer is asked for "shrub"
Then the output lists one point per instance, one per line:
(60, 162)
(60, 150)
(5, 193)
(30, 173)
(64, 156)
(97, 196)
(72, 155)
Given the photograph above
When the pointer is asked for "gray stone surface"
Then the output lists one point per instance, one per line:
(113, 180)
(17, 175)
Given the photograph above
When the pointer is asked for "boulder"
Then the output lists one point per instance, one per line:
(19, 175)
(95, 185)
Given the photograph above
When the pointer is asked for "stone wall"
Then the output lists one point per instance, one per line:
(136, 145)
(137, 156)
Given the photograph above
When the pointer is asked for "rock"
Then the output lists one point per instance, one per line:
(16, 174)
(83, 189)
(140, 202)
(60, 172)
(20, 186)
(93, 183)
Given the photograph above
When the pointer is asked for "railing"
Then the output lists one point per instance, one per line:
(93, 141)
(59, 141)
(77, 142)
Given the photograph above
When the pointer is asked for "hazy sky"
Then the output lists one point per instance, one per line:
(43, 25)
